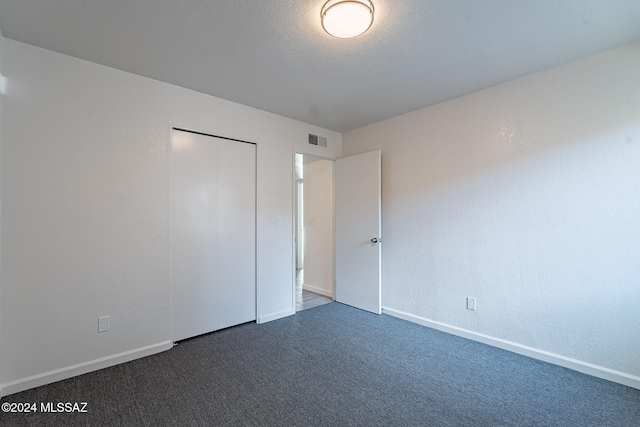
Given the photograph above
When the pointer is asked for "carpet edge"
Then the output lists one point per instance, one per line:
(55, 375)
(545, 356)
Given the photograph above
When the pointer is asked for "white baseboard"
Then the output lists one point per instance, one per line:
(38, 380)
(315, 290)
(275, 316)
(556, 359)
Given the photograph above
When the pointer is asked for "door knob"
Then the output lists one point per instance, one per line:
(376, 240)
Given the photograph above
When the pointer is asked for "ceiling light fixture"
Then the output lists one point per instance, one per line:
(346, 18)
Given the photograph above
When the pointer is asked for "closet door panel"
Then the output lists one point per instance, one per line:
(194, 234)
(236, 233)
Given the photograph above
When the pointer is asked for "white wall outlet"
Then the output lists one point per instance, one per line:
(278, 221)
(103, 324)
(471, 303)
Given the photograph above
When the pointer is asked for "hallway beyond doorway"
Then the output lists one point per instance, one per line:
(307, 299)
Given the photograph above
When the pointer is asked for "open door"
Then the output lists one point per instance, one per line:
(358, 210)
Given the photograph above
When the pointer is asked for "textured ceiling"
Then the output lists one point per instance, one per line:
(274, 55)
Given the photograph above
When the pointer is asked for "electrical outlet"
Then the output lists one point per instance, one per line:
(103, 324)
(471, 303)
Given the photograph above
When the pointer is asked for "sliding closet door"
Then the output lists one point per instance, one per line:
(194, 234)
(212, 233)
(236, 233)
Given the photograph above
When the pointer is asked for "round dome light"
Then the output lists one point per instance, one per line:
(346, 18)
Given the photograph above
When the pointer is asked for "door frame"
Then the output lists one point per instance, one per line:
(333, 214)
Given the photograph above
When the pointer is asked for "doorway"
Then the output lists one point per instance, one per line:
(314, 231)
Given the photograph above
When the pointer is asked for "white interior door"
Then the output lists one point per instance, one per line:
(194, 231)
(212, 233)
(236, 233)
(358, 210)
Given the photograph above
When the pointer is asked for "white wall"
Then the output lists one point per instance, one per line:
(526, 196)
(85, 210)
(318, 227)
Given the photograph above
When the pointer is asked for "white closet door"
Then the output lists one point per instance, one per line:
(236, 233)
(212, 233)
(194, 231)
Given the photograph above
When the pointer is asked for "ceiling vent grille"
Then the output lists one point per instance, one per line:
(318, 141)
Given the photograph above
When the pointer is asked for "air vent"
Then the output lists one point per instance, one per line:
(318, 141)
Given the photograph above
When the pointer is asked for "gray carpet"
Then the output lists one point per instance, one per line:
(334, 366)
